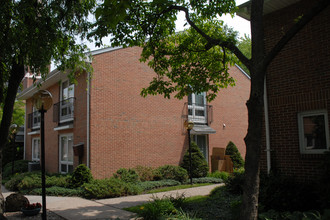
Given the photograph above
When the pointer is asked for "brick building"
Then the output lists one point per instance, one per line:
(298, 90)
(115, 127)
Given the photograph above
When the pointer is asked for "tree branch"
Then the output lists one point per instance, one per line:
(211, 41)
(322, 4)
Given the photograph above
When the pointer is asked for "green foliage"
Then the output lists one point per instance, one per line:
(109, 188)
(235, 155)
(127, 175)
(284, 193)
(219, 174)
(205, 180)
(20, 166)
(244, 45)
(32, 180)
(274, 215)
(148, 185)
(57, 191)
(80, 175)
(145, 173)
(198, 162)
(234, 183)
(173, 172)
(157, 209)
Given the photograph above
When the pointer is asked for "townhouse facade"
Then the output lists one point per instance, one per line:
(298, 91)
(103, 122)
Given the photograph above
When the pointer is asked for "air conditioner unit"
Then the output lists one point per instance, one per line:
(33, 166)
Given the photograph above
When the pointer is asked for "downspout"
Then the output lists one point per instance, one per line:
(88, 120)
(267, 128)
(25, 130)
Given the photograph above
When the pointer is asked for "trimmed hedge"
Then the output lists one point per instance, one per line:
(149, 185)
(173, 172)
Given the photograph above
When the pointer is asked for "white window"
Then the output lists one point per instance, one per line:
(35, 118)
(201, 141)
(66, 106)
(197, 108)
(66, 153)
(313, 132)
(36, 149)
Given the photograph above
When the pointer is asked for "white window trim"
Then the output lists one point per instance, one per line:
(32, 149)
(301, 115)
(60, 162)
(35, 110)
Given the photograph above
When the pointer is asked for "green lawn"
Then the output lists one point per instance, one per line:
(170, 188)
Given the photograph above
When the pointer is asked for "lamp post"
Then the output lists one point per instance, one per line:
(42, 101)
(189, 125)
(13, 131)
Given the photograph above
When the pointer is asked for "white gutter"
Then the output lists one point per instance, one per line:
(88, 118)
(267, 128)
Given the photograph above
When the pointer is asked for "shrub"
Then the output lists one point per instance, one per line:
(109, 188)
(157, 209)
(235, 183)
(284, 193)
(80, 175)
(148, 185)
(127, 175)
(57, 191)
(198, 163)
(173, 172)
(145, 173)
(274, 215)
(20, 166)
(12, 184)
(206, 180)
(235, 155)
(221, 175)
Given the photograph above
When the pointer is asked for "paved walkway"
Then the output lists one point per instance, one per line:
(76, 208)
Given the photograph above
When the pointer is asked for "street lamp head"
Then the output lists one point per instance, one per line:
(188, 125)
(42, 100)
(13, 128)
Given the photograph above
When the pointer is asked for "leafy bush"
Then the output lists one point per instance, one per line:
(148, 185)
(80, 175)
(274, 215)
(157, 209)
(173, 172)
(12, 184)
(235, 183)
(206, 180)
(109, 188)
(20, 166)
(145, 173)
(127, 175)
(221, 175)
(198, 163)
(283, 193)
(235, 155)
(57, 191)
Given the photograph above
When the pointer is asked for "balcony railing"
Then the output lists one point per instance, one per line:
(34, 120)
(64, 111)
(200, 114)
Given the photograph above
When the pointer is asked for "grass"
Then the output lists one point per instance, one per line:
(170, 188)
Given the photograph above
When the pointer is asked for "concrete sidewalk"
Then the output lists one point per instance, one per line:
(76, 208)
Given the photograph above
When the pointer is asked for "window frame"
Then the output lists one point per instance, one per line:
(65, 162)
(301, 131)
(33, 148)
(194, 138)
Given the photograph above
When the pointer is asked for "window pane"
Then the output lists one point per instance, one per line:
(64, 153)
(199, 100)
(70, 149)
(201, 142)
(64, 168)
(199, 112)
(314, 132)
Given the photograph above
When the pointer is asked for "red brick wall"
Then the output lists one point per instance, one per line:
(128, 130)
(51, 136)
(297, 80)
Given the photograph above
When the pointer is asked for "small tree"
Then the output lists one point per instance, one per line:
(235, 155)
(198, 163)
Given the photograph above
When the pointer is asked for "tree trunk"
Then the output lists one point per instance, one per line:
(16, 76)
